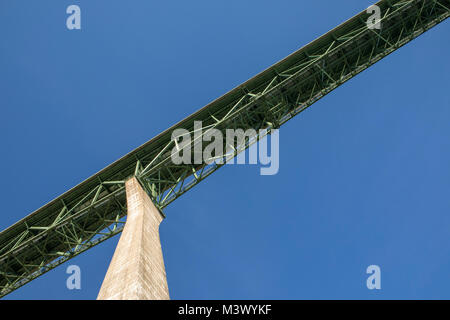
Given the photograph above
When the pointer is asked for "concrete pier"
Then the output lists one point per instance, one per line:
(136, 271)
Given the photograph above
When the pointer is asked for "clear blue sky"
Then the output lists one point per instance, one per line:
(364, 174)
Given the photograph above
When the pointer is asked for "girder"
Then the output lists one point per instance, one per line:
(95, 210)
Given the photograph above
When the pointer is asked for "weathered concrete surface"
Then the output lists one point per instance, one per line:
(137, 268)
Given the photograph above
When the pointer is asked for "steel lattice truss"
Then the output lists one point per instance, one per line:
(95, 210)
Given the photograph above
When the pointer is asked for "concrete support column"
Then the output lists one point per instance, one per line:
(136, 271)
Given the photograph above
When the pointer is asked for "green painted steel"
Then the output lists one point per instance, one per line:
(95, 210)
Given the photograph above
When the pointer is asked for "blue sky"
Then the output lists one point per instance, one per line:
(364, 176)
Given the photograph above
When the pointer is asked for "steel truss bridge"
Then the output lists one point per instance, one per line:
(95, 210)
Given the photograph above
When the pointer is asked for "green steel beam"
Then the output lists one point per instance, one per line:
(95, 210)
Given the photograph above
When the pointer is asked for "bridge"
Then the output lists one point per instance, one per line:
(96, 209)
